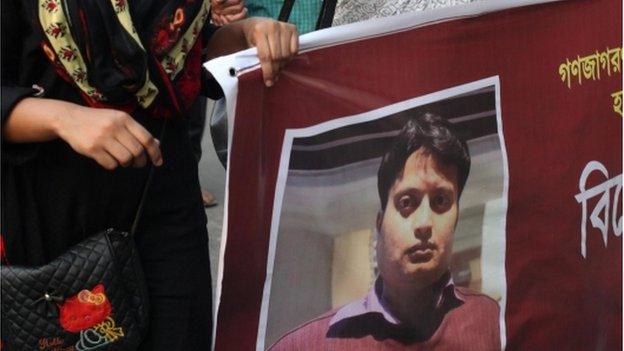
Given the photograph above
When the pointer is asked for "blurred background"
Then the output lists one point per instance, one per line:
(212, 178)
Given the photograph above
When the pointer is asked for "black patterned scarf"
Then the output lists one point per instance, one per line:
(124, 54)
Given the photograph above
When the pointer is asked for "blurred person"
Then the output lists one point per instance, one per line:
(196, 126)
(304, 14)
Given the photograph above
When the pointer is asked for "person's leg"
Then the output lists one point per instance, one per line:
(219, 130)
(173, 245)
(196, 126)
(178, 274)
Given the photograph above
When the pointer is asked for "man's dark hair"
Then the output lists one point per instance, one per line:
(435, 135)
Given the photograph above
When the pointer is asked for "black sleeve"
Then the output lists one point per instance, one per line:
(15, 153)
(13, 29)
(11, 95)
(207, 32)
(209, 86)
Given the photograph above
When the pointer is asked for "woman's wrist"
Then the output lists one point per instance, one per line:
(61, 113)
(36, 120)
(226, 40)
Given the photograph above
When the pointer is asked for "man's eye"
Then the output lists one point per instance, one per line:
(405, 202)
(441, 203)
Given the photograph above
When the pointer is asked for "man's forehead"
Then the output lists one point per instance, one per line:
(425, 165)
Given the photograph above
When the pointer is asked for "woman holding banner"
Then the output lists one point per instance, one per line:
(86, 86)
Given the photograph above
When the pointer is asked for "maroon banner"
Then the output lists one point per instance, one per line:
(555, 88)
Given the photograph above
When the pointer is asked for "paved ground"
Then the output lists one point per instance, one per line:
(212, 178)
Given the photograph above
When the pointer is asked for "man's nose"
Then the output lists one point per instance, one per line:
(422, 220)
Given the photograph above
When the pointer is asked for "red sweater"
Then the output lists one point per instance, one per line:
(470, 323)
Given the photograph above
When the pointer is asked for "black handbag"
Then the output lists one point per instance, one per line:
(91, 298)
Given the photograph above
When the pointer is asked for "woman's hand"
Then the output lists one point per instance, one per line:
(110, 137)
(277, 43)
(227, 11)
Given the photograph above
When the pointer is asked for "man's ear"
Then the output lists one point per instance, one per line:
(379, 220)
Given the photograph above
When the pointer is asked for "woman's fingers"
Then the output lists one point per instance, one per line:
(284, 43)
(235, 17)
(125, 138)
(105, 160)
(266, 61)
(229, 9)
(218, 5)
(277, 43)
(289, 41)
(121, 155)
(223, 20)
(149, 143)
(108, 136)
(216, 19)
(294, 42)
(280, 43)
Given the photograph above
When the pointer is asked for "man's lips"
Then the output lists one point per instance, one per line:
(420, 253)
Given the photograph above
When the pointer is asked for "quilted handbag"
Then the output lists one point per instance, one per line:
(93, 297)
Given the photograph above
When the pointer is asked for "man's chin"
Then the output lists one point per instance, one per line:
(424, 274)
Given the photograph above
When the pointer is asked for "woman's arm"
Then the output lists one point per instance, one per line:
(114, 138)
(277, 43)
(110, 137)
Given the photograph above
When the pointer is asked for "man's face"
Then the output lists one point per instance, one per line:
(417, 228)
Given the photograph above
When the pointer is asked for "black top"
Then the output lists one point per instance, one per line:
(53, 197)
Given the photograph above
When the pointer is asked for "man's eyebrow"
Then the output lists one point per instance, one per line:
(446, 187)
(407, 189)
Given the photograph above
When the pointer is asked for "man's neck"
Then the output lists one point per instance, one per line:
(415, 307)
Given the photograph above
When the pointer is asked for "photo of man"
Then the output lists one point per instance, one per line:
(389, 229)
(413, 303)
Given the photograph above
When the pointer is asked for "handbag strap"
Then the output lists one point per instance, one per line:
(148, 181)
(284, 14)
(326, 17)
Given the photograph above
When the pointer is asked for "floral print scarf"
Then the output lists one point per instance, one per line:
(124, 54)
